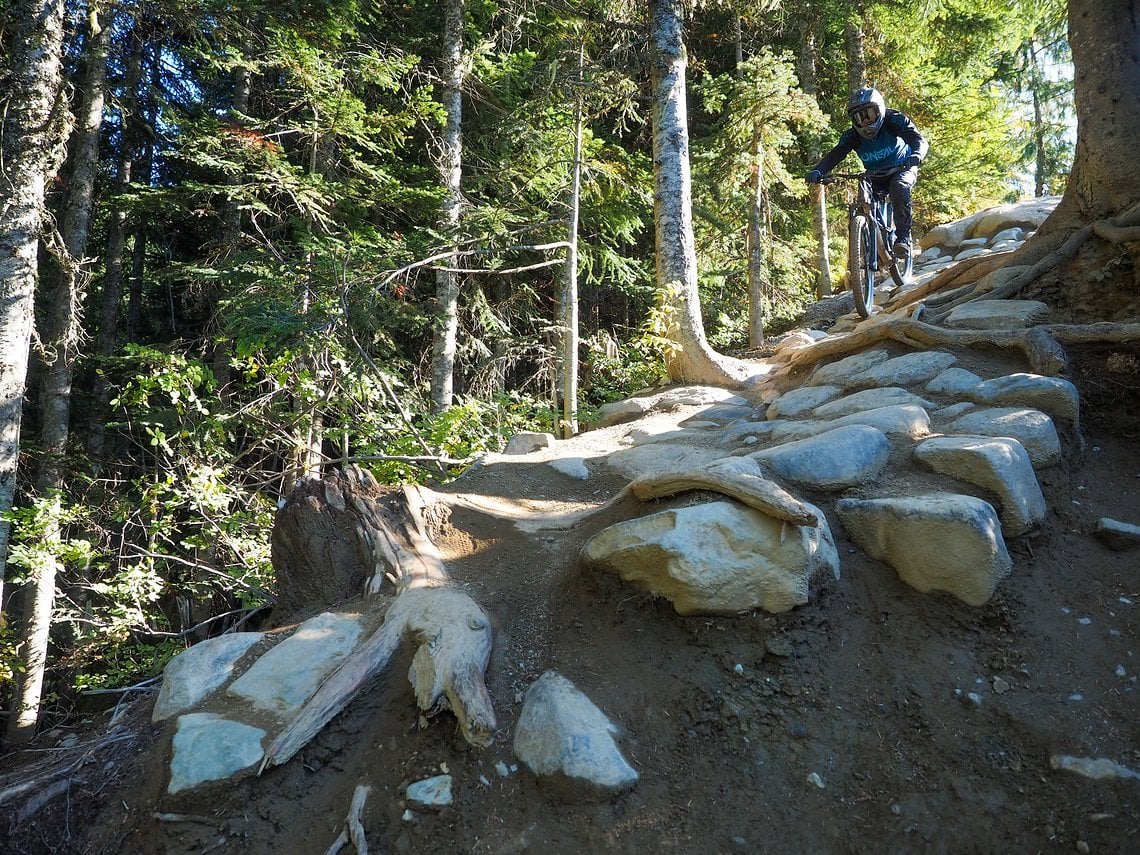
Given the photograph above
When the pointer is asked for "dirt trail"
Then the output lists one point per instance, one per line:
(846, 728)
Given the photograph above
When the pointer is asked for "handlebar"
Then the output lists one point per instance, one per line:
(860, 176)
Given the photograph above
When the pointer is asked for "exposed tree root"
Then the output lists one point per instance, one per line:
(1041, 345)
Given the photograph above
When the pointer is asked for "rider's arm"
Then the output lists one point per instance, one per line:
(844, 147)
(905, 129)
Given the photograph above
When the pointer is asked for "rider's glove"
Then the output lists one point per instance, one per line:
(912, 161)
(814, 176)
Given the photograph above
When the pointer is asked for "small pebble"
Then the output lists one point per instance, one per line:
(1076, 696)
(1120, 672)
(1082, 846)
(1084, 621)
(814, 778)
(1126, 601)
(1000, 686)
(738, 668)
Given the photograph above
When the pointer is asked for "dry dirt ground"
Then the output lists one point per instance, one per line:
(844, 728)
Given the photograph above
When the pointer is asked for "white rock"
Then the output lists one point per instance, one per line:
(870, 399)
(940, 542)
(837, 373)
(1118, 535)
(575, 467)
(1099, 769)
(996, 314)
(1054, 395)
(660, 457)
(528, 441)
(716, 558)
(834, 460)
(978, 241)
(617, 412)
(799, 402)
(1028, 214)
(288, 675)
(561, 733)
(905, 370)
(953, 382)
(197, 671)
(899, 420)
(432, 792)
(999, 465)
(970, 253)
(207, 747)
(1032, 428)
(1011, 234)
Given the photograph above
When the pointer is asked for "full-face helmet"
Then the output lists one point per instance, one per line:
(867, 110)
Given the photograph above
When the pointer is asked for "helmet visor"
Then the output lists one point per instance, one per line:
(865, 116)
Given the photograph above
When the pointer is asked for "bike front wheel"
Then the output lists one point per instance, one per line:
(861, 264)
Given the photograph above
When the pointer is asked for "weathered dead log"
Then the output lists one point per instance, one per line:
(750, 489)
(1040, 345)
(453, 635)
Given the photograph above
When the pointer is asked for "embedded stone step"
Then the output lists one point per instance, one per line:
(834, 460)
(1032, 428)
(939, 542)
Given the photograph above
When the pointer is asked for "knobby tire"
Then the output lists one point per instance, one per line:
(860, 264)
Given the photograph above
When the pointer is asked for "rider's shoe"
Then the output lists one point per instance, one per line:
(902, 248)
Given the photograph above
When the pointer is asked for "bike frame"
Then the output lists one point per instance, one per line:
(875, 206)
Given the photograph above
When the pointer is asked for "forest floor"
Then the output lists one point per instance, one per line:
(840, 726)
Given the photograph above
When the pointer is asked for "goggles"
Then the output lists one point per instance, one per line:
(865, 116)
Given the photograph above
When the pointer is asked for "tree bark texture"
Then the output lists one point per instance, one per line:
(450, 173)
(853, 45)
(33, 131)
(757, 274)
(1104, 181)
(692, 360)
(569, 300)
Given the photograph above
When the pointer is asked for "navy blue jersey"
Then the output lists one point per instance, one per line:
(896, 140)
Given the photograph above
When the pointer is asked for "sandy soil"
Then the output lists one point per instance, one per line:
(845, 727)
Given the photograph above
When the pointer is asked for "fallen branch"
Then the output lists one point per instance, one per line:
(354, 829)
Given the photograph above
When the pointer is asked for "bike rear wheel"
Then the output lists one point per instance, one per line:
(861, 264)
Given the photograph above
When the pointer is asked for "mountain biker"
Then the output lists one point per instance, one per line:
(884, 140)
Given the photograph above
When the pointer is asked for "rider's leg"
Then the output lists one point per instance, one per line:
(900, 187)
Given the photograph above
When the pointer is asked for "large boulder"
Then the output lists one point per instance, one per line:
(196, 672)
(833, 460)
(719, 558)
(941, 542)
(999, 465)
(1032, 428)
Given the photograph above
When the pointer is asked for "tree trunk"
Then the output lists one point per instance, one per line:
(1104, 181)
(61, 332)
(853, 45)
(757, 274)
(451, 172)
(808, 58)
(111, 296)
(33, 133)
(691, 360)
(569, 301)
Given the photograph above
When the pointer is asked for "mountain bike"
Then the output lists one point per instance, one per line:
(871, 235)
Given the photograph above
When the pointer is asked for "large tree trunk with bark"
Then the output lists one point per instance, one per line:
(33, 134)
(451, 173)
(1104, 182)
(691, 360)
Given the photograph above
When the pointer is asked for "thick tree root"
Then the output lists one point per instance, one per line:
(1041, 345)
(453, 635)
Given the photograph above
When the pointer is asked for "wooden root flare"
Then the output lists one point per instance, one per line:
(451, 632)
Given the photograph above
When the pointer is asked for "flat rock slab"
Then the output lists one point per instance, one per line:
(194, 673)
(941, 542)
(839, 373)
(288, 675)
(905, 370)
(902, 420)
(1032, 428)
(718, 558)
(996, 314)
(999, 465)
(207, 747)
(432, 792)
(953, 382)
(1116, 534)
(1054, 395)
(528, 441)
(834, 460)
(869, 399)
(800, 402)
(562, 735)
